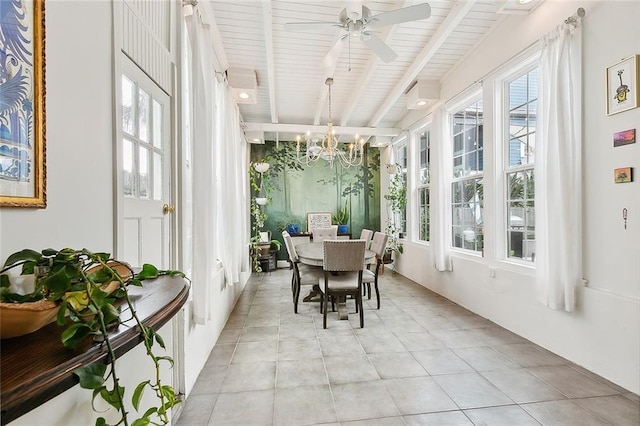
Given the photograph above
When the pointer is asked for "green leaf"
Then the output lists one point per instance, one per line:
(21, 256)
(110, 313)
(149, 412)
(100, 421)
(61, 317)
(169, 393)
(4, 281)
(160, 341)
(28, 268)
(166, 358)
(137, 394)
(111, 397)
(141, 422)
(73, 335)
(57, 282)
(91, 376)
(148, 272)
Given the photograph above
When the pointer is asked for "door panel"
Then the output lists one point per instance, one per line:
(144, 164)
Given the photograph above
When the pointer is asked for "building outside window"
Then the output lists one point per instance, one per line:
(400, 175)
(467, 185)
(423, 185)
(522, 93)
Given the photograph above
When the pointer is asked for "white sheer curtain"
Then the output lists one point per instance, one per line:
(558, 170)
(441, 190)
(232, 182)
(203, 195)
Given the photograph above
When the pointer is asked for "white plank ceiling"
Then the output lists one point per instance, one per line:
(367, 93)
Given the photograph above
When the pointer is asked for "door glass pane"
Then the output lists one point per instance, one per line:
(143, 167)
(157, 176)
(157, 124)
(127, 165)
(143, 115)
(128, 110)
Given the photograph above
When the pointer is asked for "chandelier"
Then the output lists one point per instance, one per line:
(328, 149)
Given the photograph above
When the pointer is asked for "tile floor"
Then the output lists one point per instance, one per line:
(419, 360)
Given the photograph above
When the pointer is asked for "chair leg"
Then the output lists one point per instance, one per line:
(368, 285)
(377, 293)
(359, 301)
(296, 297)
(324, 313)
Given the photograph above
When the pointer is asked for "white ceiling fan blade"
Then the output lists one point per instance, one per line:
(334, 52)
(398, 16)
(379, 47)
(310, 26)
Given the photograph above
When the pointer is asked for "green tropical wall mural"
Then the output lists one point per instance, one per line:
(296, 189)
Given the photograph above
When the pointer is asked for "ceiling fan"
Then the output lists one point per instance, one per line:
(359, 24)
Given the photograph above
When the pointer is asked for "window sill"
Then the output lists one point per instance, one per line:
(37, 367)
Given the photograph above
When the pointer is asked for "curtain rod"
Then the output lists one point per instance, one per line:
(573, 19)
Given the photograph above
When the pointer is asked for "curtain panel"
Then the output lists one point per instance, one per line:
(558, 170)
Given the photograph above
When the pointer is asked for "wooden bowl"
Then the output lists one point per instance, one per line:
(18, 319)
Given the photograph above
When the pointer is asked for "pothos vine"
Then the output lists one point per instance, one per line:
(80, 281)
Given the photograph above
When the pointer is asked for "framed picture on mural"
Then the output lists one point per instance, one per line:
(318, 220)
(22, 110)
(623, 85)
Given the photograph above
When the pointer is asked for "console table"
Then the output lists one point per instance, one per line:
(37, 367)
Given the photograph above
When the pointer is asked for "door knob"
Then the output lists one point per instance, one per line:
(168, 208)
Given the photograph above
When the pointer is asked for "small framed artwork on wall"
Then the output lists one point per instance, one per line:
(625, 137)
(622, 85)
(623, 175)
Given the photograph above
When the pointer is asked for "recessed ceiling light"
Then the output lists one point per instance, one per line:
(524, 1)
(256, 139)
(421, 103)
(243, 95)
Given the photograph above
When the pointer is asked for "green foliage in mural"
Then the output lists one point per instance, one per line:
(298, 189)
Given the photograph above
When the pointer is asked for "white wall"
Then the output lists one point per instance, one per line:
(603, 335)
(80, 208)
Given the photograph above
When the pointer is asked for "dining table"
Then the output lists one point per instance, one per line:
(313, 254)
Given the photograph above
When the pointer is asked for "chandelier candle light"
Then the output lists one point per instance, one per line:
(329, 149)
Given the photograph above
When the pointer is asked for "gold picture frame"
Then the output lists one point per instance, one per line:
(22, 139)
(623, 85)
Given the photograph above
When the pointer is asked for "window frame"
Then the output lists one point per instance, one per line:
(473, 98)
(511, 72)
(421, 186)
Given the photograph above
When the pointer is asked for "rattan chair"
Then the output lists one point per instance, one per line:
(368, 276)
(302, 274)
(343, 264)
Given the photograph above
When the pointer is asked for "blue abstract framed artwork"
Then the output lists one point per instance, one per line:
(22, 104)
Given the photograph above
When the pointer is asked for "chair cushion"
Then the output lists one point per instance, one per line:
(343, 281)
(368, 276)
(309, 275)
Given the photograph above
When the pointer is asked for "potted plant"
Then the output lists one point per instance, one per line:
(85, 289)
(260, 189)
(396, 206)
(341, 218)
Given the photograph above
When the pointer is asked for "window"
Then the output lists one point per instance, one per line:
(467, 185)
(423, 185)
(142, 125)
(519, 143)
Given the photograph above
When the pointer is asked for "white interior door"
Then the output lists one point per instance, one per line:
(145, 167)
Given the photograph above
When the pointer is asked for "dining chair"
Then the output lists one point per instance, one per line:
(378, 246)
(328, 233)
(302, 274)
(343, 262)
(366, 235)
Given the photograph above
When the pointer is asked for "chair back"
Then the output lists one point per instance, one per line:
(343, 255)
(291, 248)
(321, 234)
(379, 243)
(366, 235)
